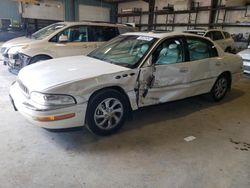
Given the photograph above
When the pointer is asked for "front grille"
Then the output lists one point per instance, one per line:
(23, 87)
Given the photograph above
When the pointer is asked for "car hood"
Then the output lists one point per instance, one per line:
(55, 72)
(20, 41)
(245, 54)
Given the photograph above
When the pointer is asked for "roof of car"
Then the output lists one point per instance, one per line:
(92, 23)
(160, 35)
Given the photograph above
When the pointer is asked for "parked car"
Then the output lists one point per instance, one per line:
(221, 37)
(11, 33)
(129, 72)
(245, 55)
(59, 40)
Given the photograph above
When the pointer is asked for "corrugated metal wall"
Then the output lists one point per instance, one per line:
(9, 10)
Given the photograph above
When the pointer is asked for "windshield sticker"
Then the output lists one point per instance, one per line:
(145, 38)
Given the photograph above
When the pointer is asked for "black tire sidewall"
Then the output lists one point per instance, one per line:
(95, 101)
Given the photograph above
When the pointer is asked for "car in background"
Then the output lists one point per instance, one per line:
(221, 37)
(245, 55)
(11, 33)
(59, 40)
(131, 71)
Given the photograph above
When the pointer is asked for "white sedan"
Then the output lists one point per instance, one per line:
(131, 71)
(245, 55)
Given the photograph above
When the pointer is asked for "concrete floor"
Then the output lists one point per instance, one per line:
(149, 151)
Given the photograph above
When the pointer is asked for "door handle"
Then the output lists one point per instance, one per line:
(183, 69)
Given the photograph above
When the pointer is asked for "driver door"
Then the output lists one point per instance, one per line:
(78, 43)
(167, 79)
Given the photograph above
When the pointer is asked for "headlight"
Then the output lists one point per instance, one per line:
(52, 99)
(15, 49)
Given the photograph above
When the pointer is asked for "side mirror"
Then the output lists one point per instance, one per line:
(63, 38)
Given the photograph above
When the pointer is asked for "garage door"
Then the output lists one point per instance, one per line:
(93, 13)
(47, 10)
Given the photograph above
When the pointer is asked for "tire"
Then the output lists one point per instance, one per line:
(220, 88)
(106, 112)
(39, 58)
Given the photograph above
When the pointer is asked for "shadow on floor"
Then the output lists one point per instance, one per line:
(82, 140)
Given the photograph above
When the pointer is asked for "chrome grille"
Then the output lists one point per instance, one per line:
(23, 87)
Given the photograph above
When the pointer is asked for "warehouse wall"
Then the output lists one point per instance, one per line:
(203, 17)
(95, 3)
(9, 10)
(112, 6)
(47, 10)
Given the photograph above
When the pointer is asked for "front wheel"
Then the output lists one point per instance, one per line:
(220, 88)
(106, 112)
(38, 59)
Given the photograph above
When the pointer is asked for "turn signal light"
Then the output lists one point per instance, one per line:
(55, 118)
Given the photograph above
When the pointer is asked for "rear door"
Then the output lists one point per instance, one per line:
(76, 44)
(204, 65)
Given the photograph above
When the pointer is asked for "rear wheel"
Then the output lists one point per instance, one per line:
(106, 113)
(220, 88)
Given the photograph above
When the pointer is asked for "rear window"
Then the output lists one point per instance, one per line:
(215, 35)
(200, 49)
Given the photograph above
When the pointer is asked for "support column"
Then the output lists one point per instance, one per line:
(151, 7)
(213, 12)
(70, 10)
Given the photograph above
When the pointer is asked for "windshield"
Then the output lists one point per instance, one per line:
(124, 50)
(43, 33)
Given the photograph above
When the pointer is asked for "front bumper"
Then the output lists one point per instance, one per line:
(20, 102)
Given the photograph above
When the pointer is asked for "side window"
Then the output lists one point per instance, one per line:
(227, 35)
(102, 33)
(200, 49)
(74, 34)
(169, 52)
(125, 30)
(210, 35)
(217, 35)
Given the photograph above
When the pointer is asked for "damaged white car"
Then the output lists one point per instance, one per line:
(131, 71)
